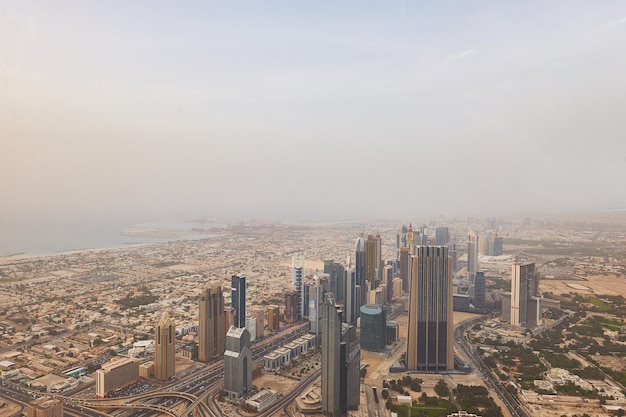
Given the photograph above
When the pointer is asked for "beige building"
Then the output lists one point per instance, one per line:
(146, 370)
(212, 324)
(397, 287)
(115, 374)
(260, 323)
(45, 407)
(164, 348)
(273, 315)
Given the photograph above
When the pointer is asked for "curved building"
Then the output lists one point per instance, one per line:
(373, 328)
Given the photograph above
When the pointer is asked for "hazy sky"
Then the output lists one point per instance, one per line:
(283, 109)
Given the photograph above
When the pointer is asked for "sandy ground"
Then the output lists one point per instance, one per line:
(276, 383)
(607, 285)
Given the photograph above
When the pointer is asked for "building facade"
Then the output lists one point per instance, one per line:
(430, 344)
(237, 363)
(331, 358)
(238, 299)
(373, 328)
(164, 348)
(212, 324)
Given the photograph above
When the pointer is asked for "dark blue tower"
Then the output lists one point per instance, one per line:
(238, 299)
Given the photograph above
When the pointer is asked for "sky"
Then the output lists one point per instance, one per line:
(280, 109)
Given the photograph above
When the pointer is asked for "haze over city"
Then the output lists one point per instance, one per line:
(117, 112)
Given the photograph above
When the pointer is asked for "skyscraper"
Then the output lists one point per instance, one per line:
(238, 299)
(352, 299)
(405, 259)
(237, 363)
(373, 261)
(400, 240)
(472, 253)
(479, 290)
(442, 236)
(331, 358)
(291, 307)
(336, 281)
(212, 324)
(272, 318)
(359, 264)
(522, 292)
(164, 348)
(297, 270)
(316, 295)
(373, 328)
(430, 346)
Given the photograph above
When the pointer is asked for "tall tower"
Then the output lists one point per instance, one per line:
(359, 263)
(352, 299)
(164, 347)
(410, 239)
(331, 358)
(522, 289)
(212, 324)
(297, 272)
(442, 236)
(430, 344)
(373, 272)
(472, 253)
(291, 307)
(238, 299)
(479, 290)
(237, 362)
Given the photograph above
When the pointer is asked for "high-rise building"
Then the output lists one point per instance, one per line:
(331, 358)
(315, 300)
(328, 263)
(525, 304)
(44, 407)
(410, 239)
(273, 315)
(336, 281)
(442, 236)
(291, 307)
(430, 344)
(352, 300)
(164, 348)
(400, 240)
(237, 363)
(472, 253)
(297, 269)
(359, 265)
(405, 259)
(373, 328)
(373, 261)
(388, 273)
(259, 316)
(251, 327)
(479, 290)
(397, 287)
(238, 299)
(212, 324)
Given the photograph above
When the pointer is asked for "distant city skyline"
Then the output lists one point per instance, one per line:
(124, 112)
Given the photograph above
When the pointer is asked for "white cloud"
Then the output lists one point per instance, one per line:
(462, 55)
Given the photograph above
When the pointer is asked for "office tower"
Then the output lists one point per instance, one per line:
(430, 345)
(331, 358)
(291, 307)
(273, 314)
(442, 236)
(373, 328)
(351, 301)
(229, 314)
(454, 255)
(359, 265)
(349, 374)
(373, 261)
(388, 282)
(164, 348)
(237, 363)
(400, 240)
(336, 282)
(525, 305)
(405, 259)
(212, 324)
(327, 264)
(251, 328)
(472, 254)
(304, 299)
(297, 271)
(479, 290)
(238, 299)
(397, 287)
(44, 407)
(115, 374)
(490, 245)
(259, 316)
(315, 300)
